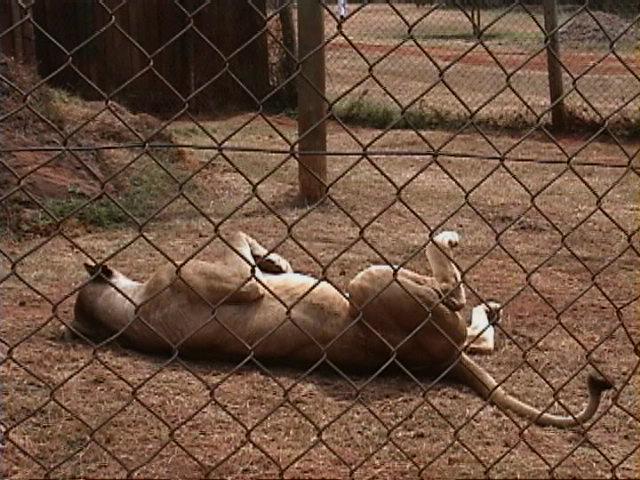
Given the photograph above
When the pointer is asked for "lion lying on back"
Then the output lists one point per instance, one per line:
(248, 301)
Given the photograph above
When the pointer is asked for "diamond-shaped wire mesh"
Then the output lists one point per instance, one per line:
(141, 134)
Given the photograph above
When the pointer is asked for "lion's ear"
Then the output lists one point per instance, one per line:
(96, 270)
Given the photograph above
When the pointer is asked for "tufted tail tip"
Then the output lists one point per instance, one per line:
(598, 384)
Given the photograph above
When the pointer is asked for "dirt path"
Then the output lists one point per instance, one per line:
(576, 63)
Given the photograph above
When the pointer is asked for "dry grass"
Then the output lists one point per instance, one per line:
(111, 412)
(425, 62)
(74, 182)
(558, 244)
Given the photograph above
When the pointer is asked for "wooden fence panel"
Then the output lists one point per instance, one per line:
(150, 42)
(18, 41)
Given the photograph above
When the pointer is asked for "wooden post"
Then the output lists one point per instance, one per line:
(556, 91)
(475, 18)
(312, 106)
(290, 60)
(18, 48)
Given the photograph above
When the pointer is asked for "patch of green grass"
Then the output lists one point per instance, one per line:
(624, 125)
(377, 115)
(511, 36)
(457, 27)
(149, 189)
(101, 212)
(515, 36)
(453, 34)
(372, 114)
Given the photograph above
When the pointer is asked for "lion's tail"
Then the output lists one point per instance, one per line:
(473, 375)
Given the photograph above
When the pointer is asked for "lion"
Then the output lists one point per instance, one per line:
(248, 301)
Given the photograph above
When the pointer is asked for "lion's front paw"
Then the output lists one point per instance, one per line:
(447, 239)
(274, 263)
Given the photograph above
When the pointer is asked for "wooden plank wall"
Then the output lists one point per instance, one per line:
(16, 35)
(144, 54)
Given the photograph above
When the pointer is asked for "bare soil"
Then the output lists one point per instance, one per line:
(550, 228)
(428, 59)
(38, 171)
(576, 63)
(596, 27)
(565, 264)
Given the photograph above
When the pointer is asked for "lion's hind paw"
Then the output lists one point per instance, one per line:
(447, 239)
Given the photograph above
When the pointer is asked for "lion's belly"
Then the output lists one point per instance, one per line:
(298, 320)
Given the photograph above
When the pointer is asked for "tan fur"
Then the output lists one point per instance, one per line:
(232, 308)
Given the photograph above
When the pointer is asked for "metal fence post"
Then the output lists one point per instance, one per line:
(312, 105)
(556, 91)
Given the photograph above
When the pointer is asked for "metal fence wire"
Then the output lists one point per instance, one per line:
(438, 118)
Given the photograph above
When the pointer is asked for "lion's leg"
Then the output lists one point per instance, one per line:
(406, 306)
(480, 334)
(260, 256)
(439, 253)
(233, 276)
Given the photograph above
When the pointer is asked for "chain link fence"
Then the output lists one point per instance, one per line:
(438, 118)
(393, 58)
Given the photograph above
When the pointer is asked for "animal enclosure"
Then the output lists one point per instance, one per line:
(430, 128)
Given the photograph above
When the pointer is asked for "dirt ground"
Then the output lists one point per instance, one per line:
(427, 59)
(557, 244)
